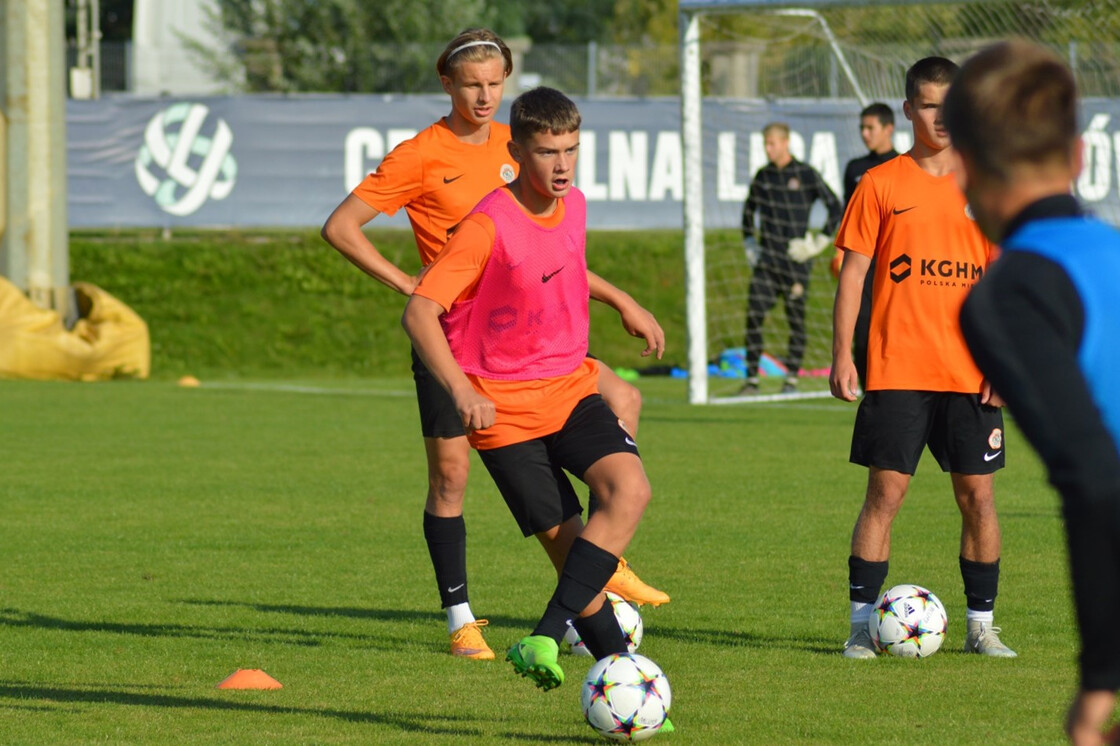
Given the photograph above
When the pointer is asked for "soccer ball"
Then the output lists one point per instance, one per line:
(628, 619)
(626, 697)
(909, 622)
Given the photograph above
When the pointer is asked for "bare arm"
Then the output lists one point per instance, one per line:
(343, 231)
(843, 380)
(637, 321)
(421, 323)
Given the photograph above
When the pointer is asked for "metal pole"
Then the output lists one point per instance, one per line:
(83, 34)
(693, 206)
(95, 41)
(834, 44)
(592, 67)
(34, 249)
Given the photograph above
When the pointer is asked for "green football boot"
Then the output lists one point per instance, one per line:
(535, 657)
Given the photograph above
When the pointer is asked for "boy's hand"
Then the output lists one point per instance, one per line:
(843, 380)
(476, 411)
(638, 322)
(989, 396)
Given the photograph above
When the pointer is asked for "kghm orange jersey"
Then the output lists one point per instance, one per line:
(438, 179)
(928, 254)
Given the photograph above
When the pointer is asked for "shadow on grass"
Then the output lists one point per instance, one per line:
(383, 615)
(725, 638)
(419, 723)
(16, 618)
(12, 617)
(550, 737)
(693, 635)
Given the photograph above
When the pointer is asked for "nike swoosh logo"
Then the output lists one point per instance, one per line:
(989, 455)
(896, 210)
(452, 590)
(453, 178)
(549, 276)
(630, 442)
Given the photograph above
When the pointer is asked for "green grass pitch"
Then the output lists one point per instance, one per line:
(155, 538)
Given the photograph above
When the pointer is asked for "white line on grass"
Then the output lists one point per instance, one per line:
(764, 398)
(289, 388)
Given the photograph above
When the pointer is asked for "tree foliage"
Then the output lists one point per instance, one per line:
(335, 45)
(388, 45)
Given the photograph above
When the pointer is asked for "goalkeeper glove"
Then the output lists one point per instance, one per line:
(752, 250)
(808, 246)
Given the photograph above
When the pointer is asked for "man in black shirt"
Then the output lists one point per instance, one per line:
(782, 193)
(1043, 325)
(876, 129)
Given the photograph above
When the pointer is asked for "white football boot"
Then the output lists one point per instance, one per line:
(984, 639)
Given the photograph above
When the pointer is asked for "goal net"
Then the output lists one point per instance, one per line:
(814, 66)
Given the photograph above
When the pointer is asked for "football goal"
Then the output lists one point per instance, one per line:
(814, 65)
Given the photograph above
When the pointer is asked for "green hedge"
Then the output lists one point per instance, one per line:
(224, 304)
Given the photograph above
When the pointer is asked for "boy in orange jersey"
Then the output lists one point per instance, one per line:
(923, 387)
(438, 176)
(501, 320)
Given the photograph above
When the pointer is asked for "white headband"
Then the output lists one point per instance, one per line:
(481, 43)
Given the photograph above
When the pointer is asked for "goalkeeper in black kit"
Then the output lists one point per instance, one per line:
(1044, 325)
(782, 193)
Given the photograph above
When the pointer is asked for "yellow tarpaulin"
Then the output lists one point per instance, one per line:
(109, 340)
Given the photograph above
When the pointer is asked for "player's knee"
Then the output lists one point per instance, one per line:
(626, 403)
(633, 499)
(448, 479)
(634, 400)
(883, 505)
(978, 502)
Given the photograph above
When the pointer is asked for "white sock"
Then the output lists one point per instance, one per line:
(985, 617)
(457, 616)
(861, 612)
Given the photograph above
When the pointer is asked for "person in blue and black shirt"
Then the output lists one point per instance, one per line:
(1044, 324)
(876, 129)
(782, 194)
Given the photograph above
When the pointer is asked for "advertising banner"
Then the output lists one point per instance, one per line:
(287, 161)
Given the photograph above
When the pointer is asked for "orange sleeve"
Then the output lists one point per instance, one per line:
(398, 180)
(859, 230)
(456, 270)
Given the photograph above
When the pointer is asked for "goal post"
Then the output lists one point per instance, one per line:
(693, 206)
(814, 64)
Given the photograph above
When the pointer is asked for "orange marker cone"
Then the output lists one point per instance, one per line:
(250, 678)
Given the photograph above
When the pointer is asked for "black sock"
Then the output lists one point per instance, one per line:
(981, 583)
(865, 579)
(600, 632)
(586, 571)
(447, 545)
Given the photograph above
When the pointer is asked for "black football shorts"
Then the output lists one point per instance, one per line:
(530, 475)
(893, 427)
(438, 416)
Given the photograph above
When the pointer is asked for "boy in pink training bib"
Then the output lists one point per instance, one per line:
(500, 318)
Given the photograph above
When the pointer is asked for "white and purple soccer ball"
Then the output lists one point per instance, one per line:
(629, 620)
(908, 621)
(626, 697)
